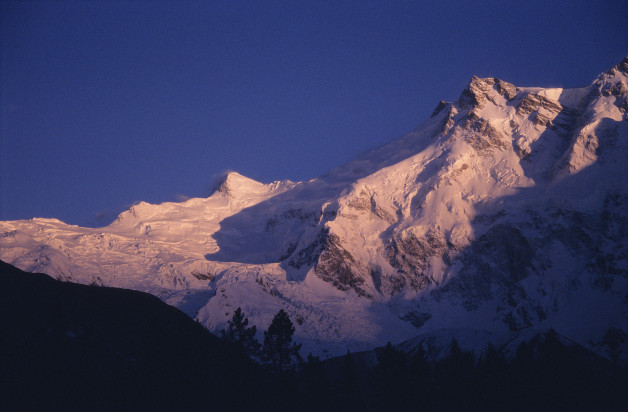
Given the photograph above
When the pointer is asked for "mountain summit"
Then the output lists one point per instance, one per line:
(504, 212)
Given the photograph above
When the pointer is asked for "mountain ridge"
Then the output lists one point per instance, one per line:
(500, 211)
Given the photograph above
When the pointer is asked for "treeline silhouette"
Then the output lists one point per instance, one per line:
(71, 347)
(544, 374)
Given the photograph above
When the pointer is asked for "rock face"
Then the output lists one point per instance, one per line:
(505, 211)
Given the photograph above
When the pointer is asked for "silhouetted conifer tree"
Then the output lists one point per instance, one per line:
(315, 384)
(420, 372)
(239, 333)
(279, 350)
(613, 338)
(392, 380)
(455, 376)
(349, 394)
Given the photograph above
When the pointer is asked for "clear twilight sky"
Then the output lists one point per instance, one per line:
(107, 103)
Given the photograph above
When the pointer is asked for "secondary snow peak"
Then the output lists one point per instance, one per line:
(233, 183)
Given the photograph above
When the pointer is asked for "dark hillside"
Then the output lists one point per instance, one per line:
(70, 346)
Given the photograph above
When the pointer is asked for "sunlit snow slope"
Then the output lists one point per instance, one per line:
(505, 212)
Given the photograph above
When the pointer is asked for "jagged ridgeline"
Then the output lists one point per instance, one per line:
(504, 212)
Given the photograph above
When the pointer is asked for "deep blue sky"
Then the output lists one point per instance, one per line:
(108, 103)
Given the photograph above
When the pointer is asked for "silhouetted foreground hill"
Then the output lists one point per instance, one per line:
(68, 346)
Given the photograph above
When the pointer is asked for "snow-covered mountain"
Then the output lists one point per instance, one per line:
(504, 213)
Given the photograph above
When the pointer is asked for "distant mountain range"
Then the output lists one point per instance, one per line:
(503, 214)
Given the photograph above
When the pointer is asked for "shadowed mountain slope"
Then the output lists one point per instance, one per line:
(66, 346)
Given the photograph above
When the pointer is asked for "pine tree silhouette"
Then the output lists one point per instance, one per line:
(279, 350)
(239, 333)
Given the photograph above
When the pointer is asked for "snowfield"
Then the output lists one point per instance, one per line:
(504, 213)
